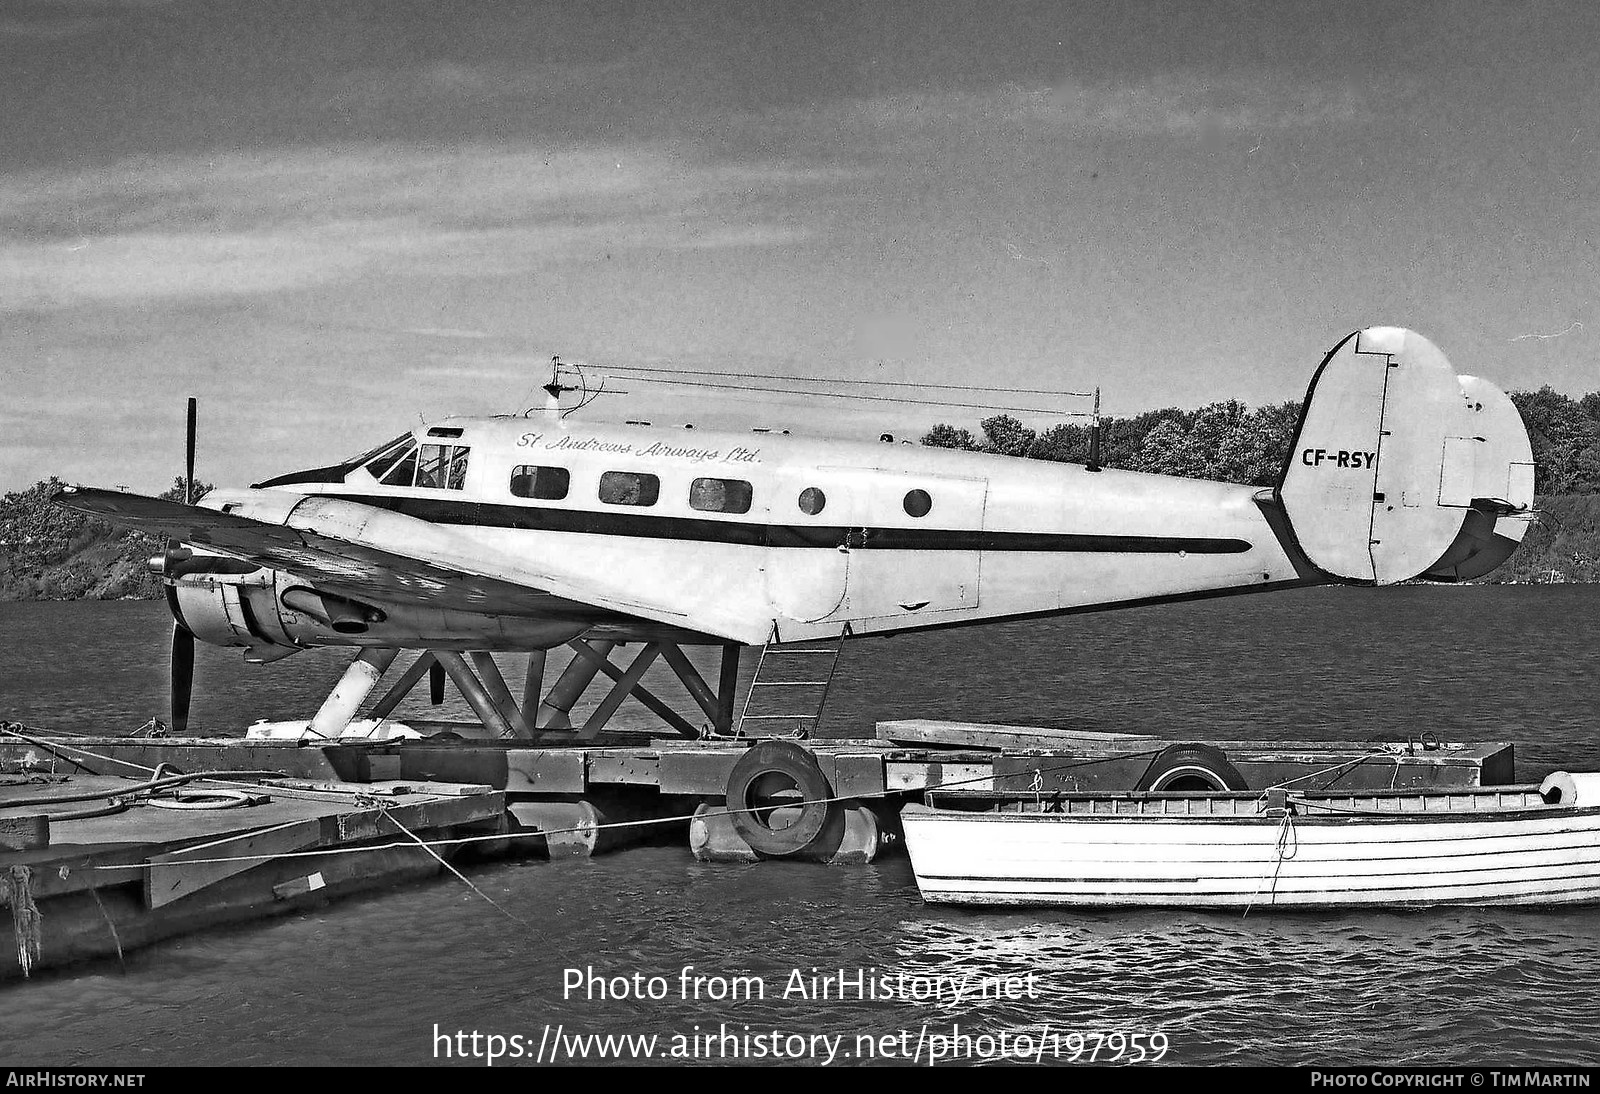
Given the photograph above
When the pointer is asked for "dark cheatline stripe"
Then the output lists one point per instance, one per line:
(643, 526)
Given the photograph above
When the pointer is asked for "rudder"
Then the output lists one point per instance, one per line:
(1401, 469)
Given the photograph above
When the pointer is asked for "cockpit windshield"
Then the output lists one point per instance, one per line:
(387, 446)
(431, 466)
(382, 460)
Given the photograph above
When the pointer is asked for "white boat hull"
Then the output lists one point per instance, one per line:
(1533, 856)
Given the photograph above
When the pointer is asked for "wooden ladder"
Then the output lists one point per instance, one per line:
(802, 672)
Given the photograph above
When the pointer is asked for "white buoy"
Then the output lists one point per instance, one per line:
(1564, 788)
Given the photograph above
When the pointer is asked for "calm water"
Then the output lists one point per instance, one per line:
(366, 981)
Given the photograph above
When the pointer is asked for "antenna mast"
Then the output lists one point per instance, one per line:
(1094, 436)
(554, 389)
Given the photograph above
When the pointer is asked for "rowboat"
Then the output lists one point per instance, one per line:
(1526, 844)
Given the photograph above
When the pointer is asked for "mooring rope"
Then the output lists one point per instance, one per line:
(152, 785)
(1286, 846)
(9, 731)
(540, 833)
(14, 729)
(703, 814)
(116, 939)
(26, 917)
(383, 809)
(26, 922)
(1350, 764)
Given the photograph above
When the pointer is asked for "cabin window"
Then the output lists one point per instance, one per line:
(629, 488)
(441, 467)
(458, 468)
(918, 503)
(720, 495)
(812, 500)
(432, 464)
(543, 483)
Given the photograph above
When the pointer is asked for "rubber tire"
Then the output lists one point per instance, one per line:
(793, 762)
(1192, 760)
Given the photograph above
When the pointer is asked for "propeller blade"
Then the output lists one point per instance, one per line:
(182, 677)
(188, 463)
(436, 683)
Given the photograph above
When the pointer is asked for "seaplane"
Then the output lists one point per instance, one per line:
(526, 532)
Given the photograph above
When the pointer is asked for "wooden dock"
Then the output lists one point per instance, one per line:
(88, 886)
(332, 817)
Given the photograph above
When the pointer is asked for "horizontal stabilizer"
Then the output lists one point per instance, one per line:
(1402, 469)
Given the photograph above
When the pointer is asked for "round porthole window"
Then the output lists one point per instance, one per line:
(812, 500)
(918, 503)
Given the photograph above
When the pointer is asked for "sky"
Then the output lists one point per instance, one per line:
(327, 219)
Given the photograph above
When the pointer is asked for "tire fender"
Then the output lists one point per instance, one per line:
(1182, 762)
(781, 763)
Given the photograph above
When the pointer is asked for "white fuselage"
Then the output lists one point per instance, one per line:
(821, 536)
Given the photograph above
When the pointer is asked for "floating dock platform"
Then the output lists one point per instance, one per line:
(130, 869)
(118, 867)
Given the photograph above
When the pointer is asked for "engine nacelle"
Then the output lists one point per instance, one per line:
(246, 611)
(271, 614)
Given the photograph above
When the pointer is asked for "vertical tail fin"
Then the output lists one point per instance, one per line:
(1401, 469)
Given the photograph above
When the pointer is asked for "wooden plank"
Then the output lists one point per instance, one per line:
(443, 790)
(385, 788)
(928, 731)
(853, 774)
(383, 768)
(547, 770)
(436, 789)
(1068, 772)
(630, 766)
(697, 771)
(336, 791)
(24, 833)
(417, 816)
(920, 775)
(914, 731)
(175, 874)
(482, 762)
(66, 869)
(137, 757)
(299, 886)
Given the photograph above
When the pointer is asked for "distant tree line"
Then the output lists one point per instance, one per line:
(49, 552)
(1566, 440)
(1230, 442)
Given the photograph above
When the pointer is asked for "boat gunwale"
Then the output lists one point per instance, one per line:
(1013, 794)
(1319, 814)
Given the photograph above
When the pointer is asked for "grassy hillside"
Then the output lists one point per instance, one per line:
(51, 553)
(1563, 545)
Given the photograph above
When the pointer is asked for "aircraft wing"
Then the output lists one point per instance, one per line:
(378, 556)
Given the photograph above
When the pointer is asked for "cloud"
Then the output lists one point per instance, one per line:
(55, 20)
(565, 80)
(1182, 103)
(1170, 105)
(192, 227)
(446, 332)
(47, 29)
